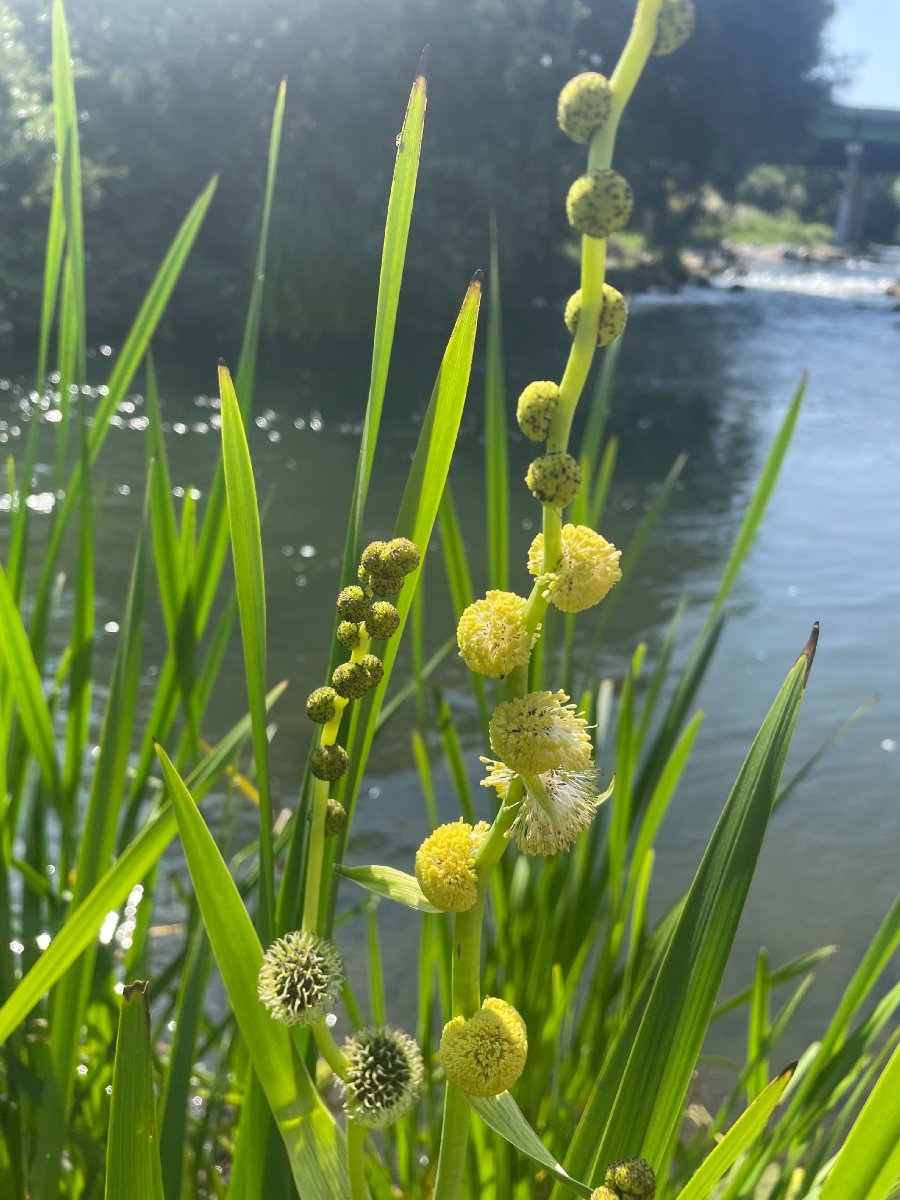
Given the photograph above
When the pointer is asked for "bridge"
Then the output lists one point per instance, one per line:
(865, 141)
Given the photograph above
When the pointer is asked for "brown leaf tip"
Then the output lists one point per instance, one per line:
(809, 650)
(140, 987)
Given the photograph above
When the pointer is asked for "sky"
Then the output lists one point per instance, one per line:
(868, 33)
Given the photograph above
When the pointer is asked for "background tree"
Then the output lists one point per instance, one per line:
(173, 93)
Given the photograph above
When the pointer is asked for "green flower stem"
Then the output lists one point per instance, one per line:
(316, 854)
(467, 995)
(330, 1050)
(356, 1137)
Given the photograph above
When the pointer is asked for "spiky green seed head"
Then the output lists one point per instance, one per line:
(373, 667)
(631, 1179)
(674, 26)
(599, 203)
(335, 817)
(584, 106)
(401, 554)
(348, 634)
(613, 314)
(351, 680)
(329, 762)
(535, 409)
(383, 621)
(384, 1075)
(353, 604)
(320, 705)
(554, 479)
(300, 978)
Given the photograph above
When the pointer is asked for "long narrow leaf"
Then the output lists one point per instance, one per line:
(132, 1151)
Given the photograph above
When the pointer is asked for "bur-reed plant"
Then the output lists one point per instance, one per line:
(568, 994)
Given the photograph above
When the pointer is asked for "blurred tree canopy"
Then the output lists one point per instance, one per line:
(172, 93)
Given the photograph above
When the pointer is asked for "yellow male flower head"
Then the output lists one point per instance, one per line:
(631, 1179)
(445, 865)
(603, 1193)
(554, 478)
(300, 978)
(613, 314)
(384, 1075)
(540, 732)
(492, 636)
(588, 567)
(584, 106)
(535, 409)
(599, 202)
(556, 808)
(485, 1054)
(674, 26)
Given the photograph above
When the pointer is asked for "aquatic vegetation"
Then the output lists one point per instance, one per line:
(558, 1027)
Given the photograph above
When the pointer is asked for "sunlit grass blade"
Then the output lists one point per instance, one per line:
(665, 1048)
(132, 1150)
(390, 884)
(459, 579)
(67, 148)
(83, 922)
(393, 256)
(740, 1137)
(781, 975)
(313, 1141)
(246, 543)
(246, 372)
(503, 1115)
(496, 455)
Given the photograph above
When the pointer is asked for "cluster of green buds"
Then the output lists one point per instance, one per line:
(628, 1179)
(365, 616)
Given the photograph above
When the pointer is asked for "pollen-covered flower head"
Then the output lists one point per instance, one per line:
(445, 865)
(588, 567)
(300, 978)
(603, 1193)
(599, 202)
(540, 732)
(584, 106)
(485, 1054)
(492, 636)
(631, 1179)
(384, 1075)
(674, 26)
(613, 314)
(556, 808)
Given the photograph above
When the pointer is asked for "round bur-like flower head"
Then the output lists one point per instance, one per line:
(554, 478)
(485, 1054)
(584, 106)
(631, 1179)
(588, 567)
(384, 1075)
(300, 978)
(371, 557)
(351, 680)
(329, 762)
(402, 554)
(603, 1193)
(320, 705)
(535, 409)
(445, 865)
(492, 635)
(353, 603)
(540, 732)
(613, 314)
(383, 621)
(599, 203)
(348, 634)
(674, 25)
(335, 817)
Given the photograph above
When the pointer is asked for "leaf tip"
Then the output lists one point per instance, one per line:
(809, 650)
(477, 279)
(424, 62)
(139, 987)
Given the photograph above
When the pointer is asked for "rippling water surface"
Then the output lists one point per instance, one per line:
(710, 372)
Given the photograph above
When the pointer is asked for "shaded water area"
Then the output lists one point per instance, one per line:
(710, 372)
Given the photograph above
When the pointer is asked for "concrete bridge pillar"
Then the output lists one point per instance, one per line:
(851, 219)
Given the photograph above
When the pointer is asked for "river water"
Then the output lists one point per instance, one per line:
(710, 372)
